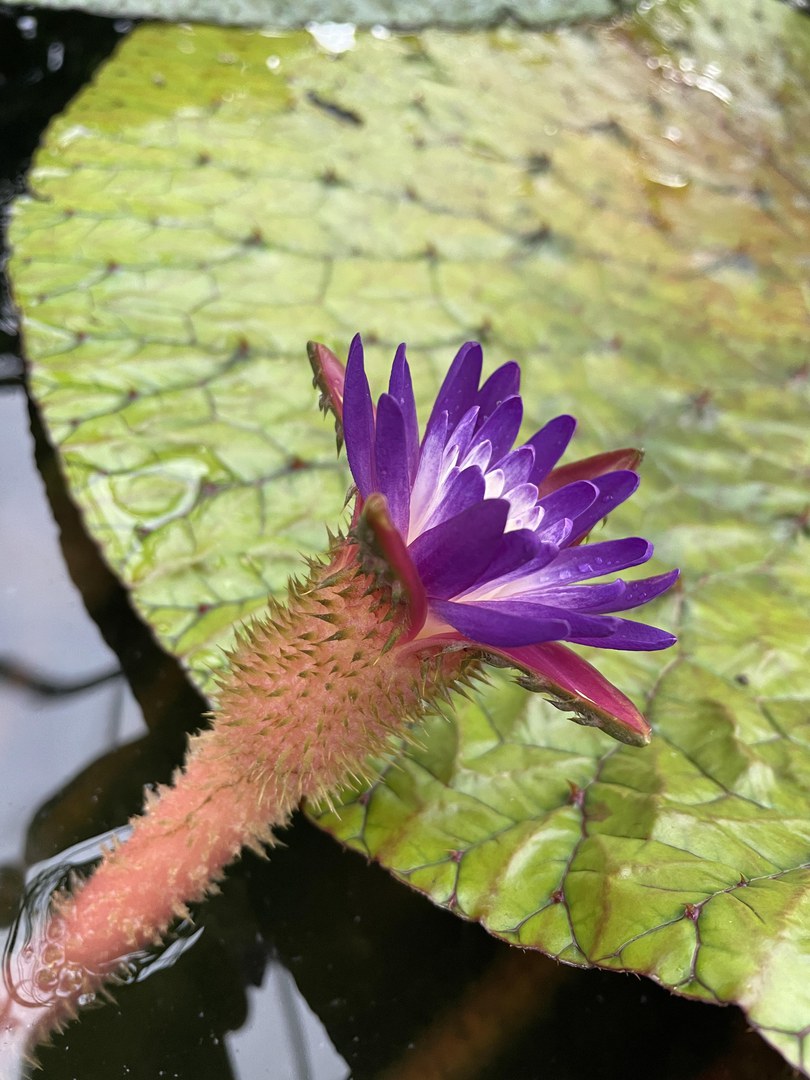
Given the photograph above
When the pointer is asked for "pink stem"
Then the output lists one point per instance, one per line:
(312, 691)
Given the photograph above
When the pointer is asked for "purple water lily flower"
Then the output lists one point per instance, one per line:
(481, 540)
(487, 539)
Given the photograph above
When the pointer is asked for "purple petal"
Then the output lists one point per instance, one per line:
(549, 445)
(568, 502)
(609, 597)
(460, 387)
(515, 550)
(557, 533)
(523, 513)
(464, 489)
(558, 671)
(642, 591)
(579, 624)
(462, 434)
(614, 488)
(451, 556)
(480, 454)
(632, 636)
(501, 427)
(544, 555)
(516, 467)
(400, 387)
(593, 560)
(595, 599)
(430, 468)
(497, 624)
(502, 384)
(358, 420)
(393, 479)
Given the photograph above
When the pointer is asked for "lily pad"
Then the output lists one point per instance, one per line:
(294, 14)
(620, 209)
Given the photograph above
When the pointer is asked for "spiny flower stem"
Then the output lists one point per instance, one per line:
(312, 691)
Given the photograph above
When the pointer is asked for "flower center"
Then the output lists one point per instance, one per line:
(452, 462)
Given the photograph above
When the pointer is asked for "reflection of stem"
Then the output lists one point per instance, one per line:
(470, 1035)
(19, 675)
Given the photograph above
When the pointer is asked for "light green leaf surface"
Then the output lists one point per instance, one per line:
(292, 14)
(623, 210)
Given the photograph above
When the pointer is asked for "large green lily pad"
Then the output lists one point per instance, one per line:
(622, 209)
(286, 14)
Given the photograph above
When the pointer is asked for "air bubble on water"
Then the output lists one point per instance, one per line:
(35, 969)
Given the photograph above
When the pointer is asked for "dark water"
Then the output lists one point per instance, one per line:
(311, 964)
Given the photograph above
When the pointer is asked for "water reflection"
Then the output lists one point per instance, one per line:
(57, 720)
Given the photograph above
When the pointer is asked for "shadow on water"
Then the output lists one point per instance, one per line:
(310, 963)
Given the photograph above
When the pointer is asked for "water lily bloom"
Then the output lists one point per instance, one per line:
(461, 549)
(487, 540)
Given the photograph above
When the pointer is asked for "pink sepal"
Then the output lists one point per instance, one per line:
(329, 374)
(375, 516)
(573, 684)
(590, 467)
